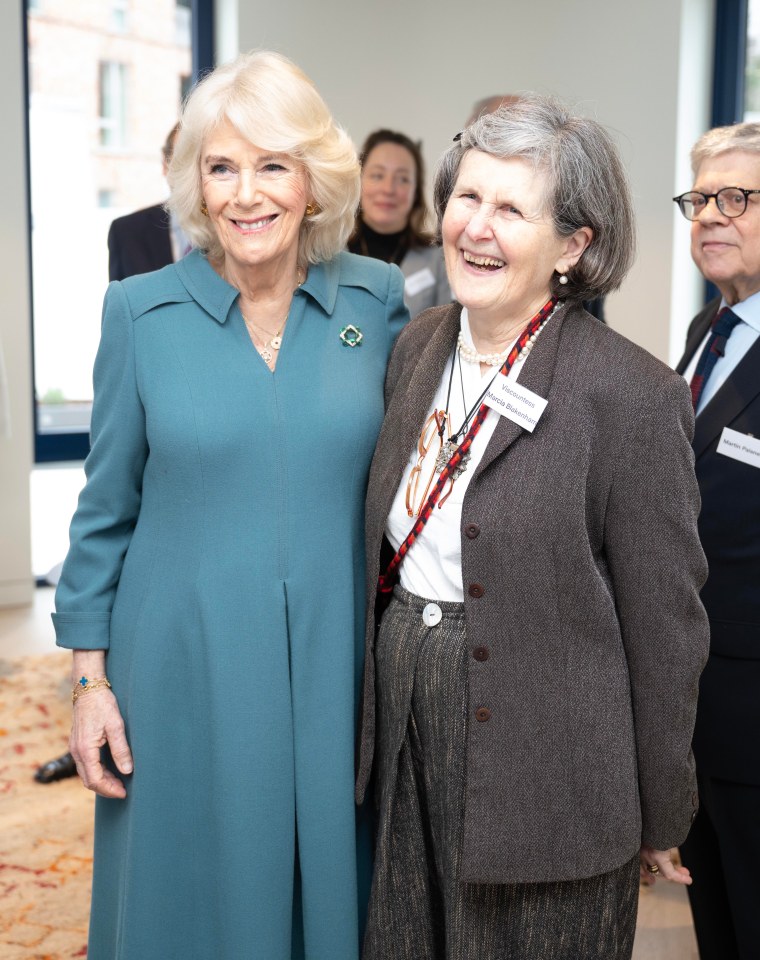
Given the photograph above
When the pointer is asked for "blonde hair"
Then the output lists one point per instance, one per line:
(274, 105)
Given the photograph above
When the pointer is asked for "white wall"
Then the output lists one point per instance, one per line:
(15, 450)
(642, 68)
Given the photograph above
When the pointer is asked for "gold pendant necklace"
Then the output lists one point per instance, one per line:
(274, 342)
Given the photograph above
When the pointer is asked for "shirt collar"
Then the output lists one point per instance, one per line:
(747, 310)
(216, 296)
(205, 286)
(321, 284)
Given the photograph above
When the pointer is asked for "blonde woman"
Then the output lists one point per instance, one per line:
(214, 587)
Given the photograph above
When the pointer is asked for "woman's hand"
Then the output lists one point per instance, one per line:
(97, 722)
(662, 862)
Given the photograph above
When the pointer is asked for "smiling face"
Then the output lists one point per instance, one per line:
(256, 201)
(727, 251)
(388, 183)
(500, 246)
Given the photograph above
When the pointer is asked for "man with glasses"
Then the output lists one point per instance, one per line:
(722, 364)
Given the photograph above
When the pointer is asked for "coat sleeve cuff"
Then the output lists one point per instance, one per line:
(82, 631)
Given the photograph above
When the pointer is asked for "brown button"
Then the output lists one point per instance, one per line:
(475, 590)
(482, 714)
(481, 654)
(472, 530)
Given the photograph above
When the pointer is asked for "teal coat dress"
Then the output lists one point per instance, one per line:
(217, 554)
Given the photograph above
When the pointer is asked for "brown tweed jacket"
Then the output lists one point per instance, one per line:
(582, 538)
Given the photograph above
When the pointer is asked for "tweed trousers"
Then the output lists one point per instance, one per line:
(418, 909)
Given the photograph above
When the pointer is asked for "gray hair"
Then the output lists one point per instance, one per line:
(586, 184)
(739, 136)
(274, 105)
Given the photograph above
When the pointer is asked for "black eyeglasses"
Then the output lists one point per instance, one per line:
(731, 201)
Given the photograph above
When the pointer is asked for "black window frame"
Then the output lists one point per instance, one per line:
(729, 66)
(60, 447)
(729, 63)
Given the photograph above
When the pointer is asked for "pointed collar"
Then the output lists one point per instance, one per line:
(747, 310)
(205, 286)
(321, 283)
(216, 296)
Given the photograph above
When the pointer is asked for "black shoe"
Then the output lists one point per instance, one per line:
(58, 769)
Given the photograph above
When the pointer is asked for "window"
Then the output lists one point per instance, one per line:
(183, 18)
(752, 68)
(119, 11)
(729, 62)
(112, 101)
(100, 108)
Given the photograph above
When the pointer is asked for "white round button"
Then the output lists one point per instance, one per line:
(431, 615)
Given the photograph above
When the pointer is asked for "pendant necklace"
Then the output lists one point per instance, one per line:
(450, 446)
(275, 342)
(439, 422)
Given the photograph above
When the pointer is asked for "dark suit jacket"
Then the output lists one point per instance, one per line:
(727, 736)
(584, 540)
(139, 243)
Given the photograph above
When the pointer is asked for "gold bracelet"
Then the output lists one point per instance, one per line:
(85, 685)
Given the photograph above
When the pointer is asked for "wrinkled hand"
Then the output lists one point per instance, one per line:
(97, 722)
(667, 868)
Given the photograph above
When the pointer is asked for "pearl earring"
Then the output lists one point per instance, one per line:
(563, 279)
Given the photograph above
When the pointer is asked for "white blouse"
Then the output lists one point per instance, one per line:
(433, 566)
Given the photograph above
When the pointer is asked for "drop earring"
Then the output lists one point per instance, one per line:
(204, 208)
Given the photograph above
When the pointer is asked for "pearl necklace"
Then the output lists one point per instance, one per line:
(471, 355)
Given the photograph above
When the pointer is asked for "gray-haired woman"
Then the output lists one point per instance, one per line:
(530, 697)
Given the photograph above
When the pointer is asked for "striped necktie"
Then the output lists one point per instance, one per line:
(723, 324)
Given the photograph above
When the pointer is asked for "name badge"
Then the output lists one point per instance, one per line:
(417, 282)
(514, 402)
(739, 446)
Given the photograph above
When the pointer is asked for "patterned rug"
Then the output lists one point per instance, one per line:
(45, 829)
(46, 833)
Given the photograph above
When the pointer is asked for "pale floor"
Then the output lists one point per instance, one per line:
(664, 931)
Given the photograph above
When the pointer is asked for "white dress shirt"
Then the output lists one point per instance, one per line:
(433, 566)
(742, 338)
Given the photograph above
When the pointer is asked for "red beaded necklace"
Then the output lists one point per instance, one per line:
(387, 579)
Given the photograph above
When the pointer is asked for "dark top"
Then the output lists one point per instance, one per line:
(728, 716)
(139, 243)
(390, 247)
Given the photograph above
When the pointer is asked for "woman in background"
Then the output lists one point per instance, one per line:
(391, 221)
